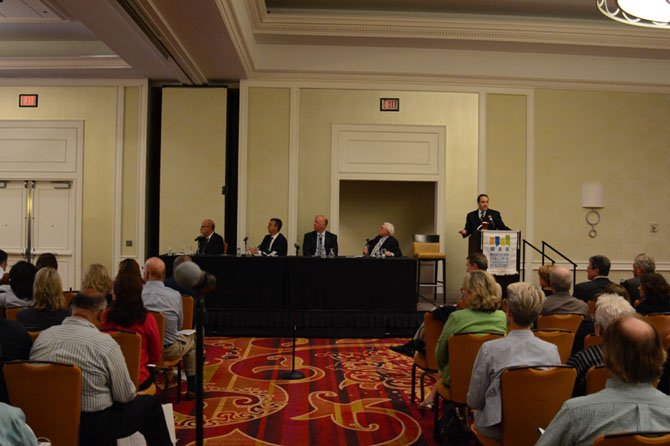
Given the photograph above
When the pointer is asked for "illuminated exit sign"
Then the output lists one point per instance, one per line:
(389, 104)
(27, 100)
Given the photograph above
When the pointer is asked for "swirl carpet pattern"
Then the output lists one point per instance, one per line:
(355, 392)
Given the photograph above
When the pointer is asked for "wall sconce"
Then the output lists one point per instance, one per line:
(593, 197)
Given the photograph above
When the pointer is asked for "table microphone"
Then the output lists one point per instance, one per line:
(296, 245)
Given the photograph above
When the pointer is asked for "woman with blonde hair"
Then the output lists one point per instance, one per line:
(96, 277)
(48, 306)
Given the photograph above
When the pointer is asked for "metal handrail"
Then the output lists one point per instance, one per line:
(574, 265)
(526, 242)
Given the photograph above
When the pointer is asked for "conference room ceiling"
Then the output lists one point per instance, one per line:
(207, 42)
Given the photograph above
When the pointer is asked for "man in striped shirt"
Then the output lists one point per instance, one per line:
(110, 409)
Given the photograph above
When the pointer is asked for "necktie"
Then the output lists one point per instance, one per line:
(378, 246)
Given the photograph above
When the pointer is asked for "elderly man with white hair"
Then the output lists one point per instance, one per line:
(609, 307)
(384, 244)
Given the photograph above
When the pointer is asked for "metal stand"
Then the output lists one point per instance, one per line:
(199, 367)
(293, 374)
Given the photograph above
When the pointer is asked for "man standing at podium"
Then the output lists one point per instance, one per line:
(482, 218)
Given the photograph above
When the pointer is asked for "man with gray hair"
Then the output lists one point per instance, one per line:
(110, 408)
(384, 244)
(519, 348)
(561, 302)
(609, 307)
(642, 264)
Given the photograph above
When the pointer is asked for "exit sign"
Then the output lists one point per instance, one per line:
(389, 104)
(27, 100)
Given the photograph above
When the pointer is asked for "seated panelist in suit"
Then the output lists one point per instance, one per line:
(209, 242)
(482, 218)
(273, 244)
(319, 239)
(384, 243)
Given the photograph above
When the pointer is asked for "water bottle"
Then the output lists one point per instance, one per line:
(239, 252)
(331, 254)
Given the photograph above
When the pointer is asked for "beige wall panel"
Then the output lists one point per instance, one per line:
(506, 158)
(267, 160)
(619, 140)
(458, 112)
(193, 164)
(96, 106)
(131, 136)
(410, 206)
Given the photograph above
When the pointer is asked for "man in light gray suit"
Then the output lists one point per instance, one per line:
(561, 302)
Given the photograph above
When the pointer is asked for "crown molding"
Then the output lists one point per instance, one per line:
(58, 63)
(453, 27)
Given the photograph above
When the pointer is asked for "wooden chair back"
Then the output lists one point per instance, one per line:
(591, 340)
(10, 313)
(50, 396)
(568, 322)
(69, 295)
(563, 339)
(592, 307)
(634, 439)
(596, 377)
(463, 349)
(188, 304)
(531, 397)
(131, 347)
(431, 334)
(163, 363)
(660, 321)
(34, 335)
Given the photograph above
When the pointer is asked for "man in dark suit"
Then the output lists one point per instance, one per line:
(642, 264)
(596, 272)
(384, 244)
(482, 218)
(209, 242)
(319, 240)
(273, 244)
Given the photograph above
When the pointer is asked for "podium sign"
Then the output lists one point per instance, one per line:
(500, 248)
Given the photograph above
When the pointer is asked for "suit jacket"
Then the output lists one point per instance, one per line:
(631, 286)
(390, 244)
(309, 243)
(588, 290)
(212, 247)
(562, 303)
(492, 217)
(280, 245)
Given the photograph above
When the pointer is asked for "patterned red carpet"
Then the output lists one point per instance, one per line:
(355, 392)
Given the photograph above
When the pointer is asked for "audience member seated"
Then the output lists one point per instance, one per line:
(4, 275)
(13, 428)
(385, 244)
(319, 241)
(561, 302)
(109, 405)
(654, 294)
(48, 306)
(273, 244)
(130, 266)
(15, 344)
(481, 315)
(544, 273)
(597, 272)
(634, 356)
(609, 308)
(519, 347)
(19, 292)
(157, 297)
(127, 312)
(474, 262)
(97, 278)
(642, 264)
(46, 260)
(171, 282)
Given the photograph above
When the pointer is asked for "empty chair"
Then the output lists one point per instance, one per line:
(50, 396)
(531, 397)
(634, 439)
(426, 249)
(427, 361)
(563, 339)
(568, 322)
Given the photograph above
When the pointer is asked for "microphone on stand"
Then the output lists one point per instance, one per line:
(189, 275)
(246, 237)
(296, 245)
(491, 224)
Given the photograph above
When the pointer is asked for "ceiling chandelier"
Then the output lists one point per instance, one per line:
(648, 13)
